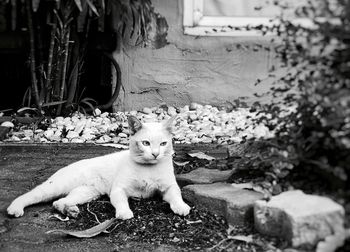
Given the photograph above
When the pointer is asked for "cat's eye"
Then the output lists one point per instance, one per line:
(163, 143)
(146, 143)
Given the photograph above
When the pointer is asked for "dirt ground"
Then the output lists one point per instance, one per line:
(23, 167)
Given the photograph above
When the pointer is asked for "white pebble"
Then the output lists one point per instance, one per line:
(8, 124)
(77, 140)
(97, 112)
(122, 135)
(172, 111)
(147, 110)
(72, 134)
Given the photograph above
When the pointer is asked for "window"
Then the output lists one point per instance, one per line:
(230, 17)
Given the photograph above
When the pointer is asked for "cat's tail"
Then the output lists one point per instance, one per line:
(57, 185)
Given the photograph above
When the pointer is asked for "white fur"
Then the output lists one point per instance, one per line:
(138, 172)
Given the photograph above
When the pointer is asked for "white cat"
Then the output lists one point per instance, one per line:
(141, 171)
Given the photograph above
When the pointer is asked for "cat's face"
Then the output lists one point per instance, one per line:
(150, 142)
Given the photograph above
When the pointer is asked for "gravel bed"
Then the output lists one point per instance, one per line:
(194, 123)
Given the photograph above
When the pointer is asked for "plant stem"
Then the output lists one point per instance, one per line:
(117, 85)
(32, 54)
(64, 67)
(48, 84)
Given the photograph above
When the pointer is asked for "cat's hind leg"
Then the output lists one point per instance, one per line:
(44, 192)
(79, 195)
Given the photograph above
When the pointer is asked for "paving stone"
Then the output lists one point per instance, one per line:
(202, 176)
(301, 219)
(235, 204)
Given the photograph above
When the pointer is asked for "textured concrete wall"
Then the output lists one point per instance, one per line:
(210, 70)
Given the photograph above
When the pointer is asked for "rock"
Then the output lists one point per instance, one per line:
(88, 136)
(172, 111)
(203, 176)
(7, 124)
(15, 139)
(301, 219)
(184, 109)
(59, 119)
(97, 112)
(193, 116)
(80, 126)
(49, 133)
(72, 134)
(105, 114)
(133, 112)
(104, 139)
(193, 106)
(77, 140)
(235, 204)
(54, 138)
(147, 111)
(122, 135)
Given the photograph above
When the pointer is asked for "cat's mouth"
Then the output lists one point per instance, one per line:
(152, 161)
(147, 161)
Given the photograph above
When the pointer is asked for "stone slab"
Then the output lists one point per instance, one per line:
(301, 219)
(235, 204)
(203, 176)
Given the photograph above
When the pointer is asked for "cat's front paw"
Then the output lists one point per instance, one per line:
(72, 211)
(15, 210)
(124, 214)
(180, 208)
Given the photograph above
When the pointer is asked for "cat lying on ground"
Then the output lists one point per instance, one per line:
(141, 171)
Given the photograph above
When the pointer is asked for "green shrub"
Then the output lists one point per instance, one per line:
(317, 58)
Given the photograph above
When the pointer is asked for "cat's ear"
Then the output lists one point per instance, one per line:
(168, 125)
(134, 124)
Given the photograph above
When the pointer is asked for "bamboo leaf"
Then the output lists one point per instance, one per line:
(88, 233)
(92, 7)
(53, 103)
(201, 155)
(59, 19)
(27, 109)
(87, 99)
(79, 5)
(243, 238)
(92, 107)
(59, 217)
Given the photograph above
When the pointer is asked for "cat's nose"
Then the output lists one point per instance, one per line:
(155, 155)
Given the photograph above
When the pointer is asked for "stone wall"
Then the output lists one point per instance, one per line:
(210, 70)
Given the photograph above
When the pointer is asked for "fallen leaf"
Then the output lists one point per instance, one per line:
(230, 229)
(188, 222)
(181, 163)
(117, 146)
(243, 185)
(201, 155)
(251, 186)
(91, 232)
(57, 216)
(244, 238)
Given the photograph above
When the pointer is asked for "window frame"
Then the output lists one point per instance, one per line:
(196, 24)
